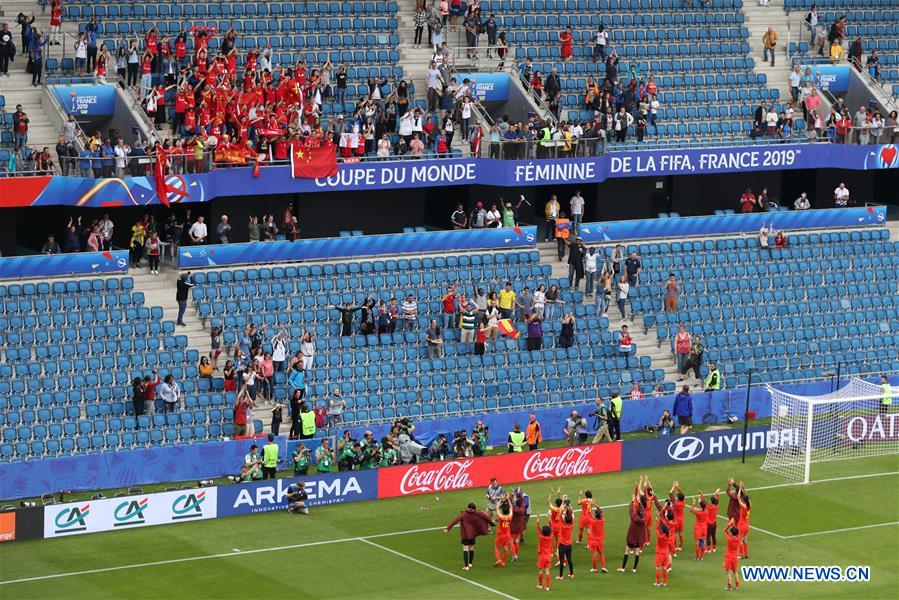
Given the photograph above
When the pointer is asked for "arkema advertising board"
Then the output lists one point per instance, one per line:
(269, 495)
(109, 514)
(707, 445)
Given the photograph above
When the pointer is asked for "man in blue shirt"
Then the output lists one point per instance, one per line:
(108, 155)
(90, 36)
(84, 164)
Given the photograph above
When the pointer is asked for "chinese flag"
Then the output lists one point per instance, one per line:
(313, 163)
(506, 327)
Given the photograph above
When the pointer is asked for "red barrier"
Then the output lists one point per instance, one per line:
(461, 474)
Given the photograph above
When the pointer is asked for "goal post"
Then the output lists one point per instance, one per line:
(845, 424)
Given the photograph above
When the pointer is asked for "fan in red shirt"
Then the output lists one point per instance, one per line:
(596, 538)
(545, 541)
(678, 502)
(503, 533)
(585, 500)
(747, 201)
(663, 560)
(636, 531)
(473, 523)
(732, 536)
(700, 527)
(711, 536)
(566, 527)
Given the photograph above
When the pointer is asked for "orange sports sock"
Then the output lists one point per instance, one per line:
(496, 554)
(505, 553)
(515, 547)
(540, 579)
(736, 582)
(658, 576)
(594, 561)
(745, 548)
(602, 560)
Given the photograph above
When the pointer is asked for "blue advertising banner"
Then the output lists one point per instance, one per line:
(706, 445)
(830, 78)
(86, 100)
(486, 87)
(369, 245)
(269, 495)
(204, 187)
(188, 462)
(727, 224)
(44, 265)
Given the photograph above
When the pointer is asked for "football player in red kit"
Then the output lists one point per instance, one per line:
(566, 528)
(503, 541)
(663, 560)
(699, 528)
(743, 526)
(666, 516)
(585, 500)
(732, 536)
(555, 515)
(544, 554)
(650, 500)
(596, 539)
(711, 518)
(679, 502)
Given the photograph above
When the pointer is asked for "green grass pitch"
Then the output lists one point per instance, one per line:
(397, 549)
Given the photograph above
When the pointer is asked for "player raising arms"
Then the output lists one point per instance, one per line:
(596, 538)
(678, 502)
(743, 525)
(732, 537)
(733, 501)
(473, 523)
(711, 518)
(503, 532)
(663, 560)
(566, 528)
(585, 500)
(700, 527)
(519, 522)
(636, 531)
(650, 500)
(545, 539)
(666, 516)
(555, 515)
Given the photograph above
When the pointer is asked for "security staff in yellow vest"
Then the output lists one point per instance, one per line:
(886, 401)
(270, 458)
(545, 138)
(307, 422)
(516, 439)
(713, 381)
(615, 405)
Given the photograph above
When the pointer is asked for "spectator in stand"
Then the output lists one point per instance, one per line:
(873, 65)
(625, 342)
(198, 231)
(795, 78)
(855, 53)
(50, 247)
(802, 202)
(682, 348)
(748, 202)
(55, 21)
(842, 128)
(600, 41)
(841, 196)
(154, 247)
(471, 24)
(672, 293)
(837, 55)
(567, 40)
(185, 282)
(769, 40)
(434, 340)
(170, 393)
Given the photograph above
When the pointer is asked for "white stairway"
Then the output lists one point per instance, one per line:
(647, 344)
(758, 19)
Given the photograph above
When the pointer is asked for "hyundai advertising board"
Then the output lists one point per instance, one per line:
(707, 445)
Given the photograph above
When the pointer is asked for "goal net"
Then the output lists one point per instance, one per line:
(844, 424)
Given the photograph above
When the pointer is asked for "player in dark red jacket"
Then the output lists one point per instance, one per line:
(519, 521)
(636, 532)
(472, 523)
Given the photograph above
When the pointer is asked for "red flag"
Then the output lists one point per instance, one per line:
(313, 163)
(159, 171)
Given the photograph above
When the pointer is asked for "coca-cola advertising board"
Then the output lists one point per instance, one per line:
(467, 473)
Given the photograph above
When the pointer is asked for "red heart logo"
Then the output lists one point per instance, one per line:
(888, 155)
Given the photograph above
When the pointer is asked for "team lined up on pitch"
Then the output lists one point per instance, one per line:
(509, 514)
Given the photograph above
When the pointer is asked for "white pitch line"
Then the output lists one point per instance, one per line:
(379, 535)
(802, 535)
(438, 569)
